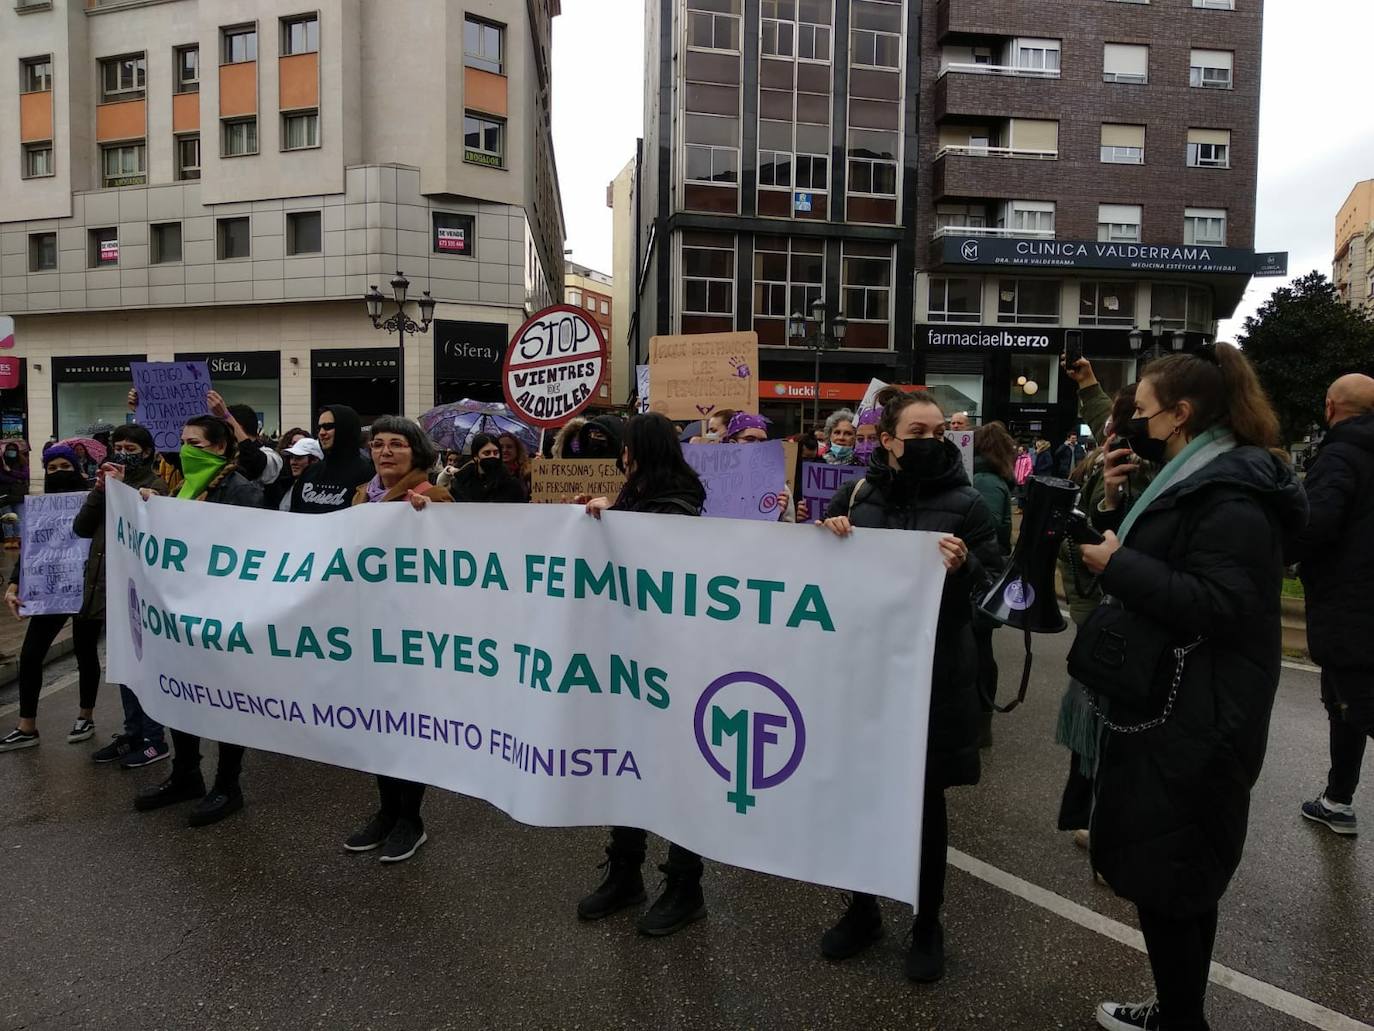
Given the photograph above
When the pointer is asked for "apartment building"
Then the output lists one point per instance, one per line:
(225, 180)
(1352, 268)
(592, 291)
(964, 180)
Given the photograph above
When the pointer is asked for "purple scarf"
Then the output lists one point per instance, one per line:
(742, 421)
(375, 490)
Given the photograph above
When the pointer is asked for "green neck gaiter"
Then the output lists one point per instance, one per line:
(199, 467)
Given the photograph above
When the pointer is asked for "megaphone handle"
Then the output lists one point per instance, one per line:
(1025, 679)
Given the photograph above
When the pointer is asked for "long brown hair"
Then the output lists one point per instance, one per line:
(1220, 384)
(995, 446)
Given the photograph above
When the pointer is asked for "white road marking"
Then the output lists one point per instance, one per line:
(1309, 1012)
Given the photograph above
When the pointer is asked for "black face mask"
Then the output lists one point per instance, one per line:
(1138, 439)
(490, 466)
(922, 457)
(64, 481)
(134, 460)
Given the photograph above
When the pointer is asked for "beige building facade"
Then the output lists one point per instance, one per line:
(1352, 268)
(620, 199)
(225, 179)
(590, 290)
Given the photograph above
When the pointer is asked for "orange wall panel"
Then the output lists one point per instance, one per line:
(126, 120)
(185, 112)
(35, 116)
(484, 91)
(238, 89)
(299, 81)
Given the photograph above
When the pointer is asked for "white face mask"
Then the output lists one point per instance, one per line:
(712, 435)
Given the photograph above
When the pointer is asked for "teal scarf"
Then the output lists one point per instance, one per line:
(1199, 452)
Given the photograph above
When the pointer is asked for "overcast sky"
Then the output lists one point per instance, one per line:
(1316, 136)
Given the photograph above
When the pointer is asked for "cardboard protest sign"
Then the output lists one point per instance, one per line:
(52, 578)
(169, 393)
(554, 367)
(693, 376)
(820, 481)
(558, 481)
(743, 481)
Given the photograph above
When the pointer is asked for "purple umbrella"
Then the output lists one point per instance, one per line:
(452, 426)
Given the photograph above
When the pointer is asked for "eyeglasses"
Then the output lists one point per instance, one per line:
(382, 445)
(325, 426)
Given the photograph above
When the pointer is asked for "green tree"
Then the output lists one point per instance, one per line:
(1300, 340)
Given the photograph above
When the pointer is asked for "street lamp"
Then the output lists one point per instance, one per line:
(1180, 340)
(819, 338)
(400, 323)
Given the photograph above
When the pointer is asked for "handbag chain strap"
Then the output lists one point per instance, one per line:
(1180, 657)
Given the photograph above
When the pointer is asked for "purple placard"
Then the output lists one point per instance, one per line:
(742, 481)
(169, 393)
(52, 576)
(821, 480)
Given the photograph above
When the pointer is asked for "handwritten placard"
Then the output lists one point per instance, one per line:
(52, 576)
(642, 387)
(169, 393)
(693, 376)
(557, 481)
(743, 481)
(820, 481)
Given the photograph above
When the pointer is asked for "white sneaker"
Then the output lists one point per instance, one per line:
(82, 730)
(1129, 1016)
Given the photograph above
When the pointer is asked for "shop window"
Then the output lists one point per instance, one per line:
(1034, 379)
(1032, 302)
(303, 234)
(233, 239)
(957, 392)
(42, 252)
(956, 299)
(1106, 304)
(164, 243)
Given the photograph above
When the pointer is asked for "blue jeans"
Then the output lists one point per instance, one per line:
(137, 723)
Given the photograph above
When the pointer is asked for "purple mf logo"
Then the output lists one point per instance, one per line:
(734, 707)
(1019, 595)
(135, 623)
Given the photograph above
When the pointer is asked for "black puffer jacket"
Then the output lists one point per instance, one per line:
(470, 485)
(1204, 560)
(946, 504)
(1337, 549)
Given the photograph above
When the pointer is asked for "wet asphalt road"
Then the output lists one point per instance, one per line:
(118, 920)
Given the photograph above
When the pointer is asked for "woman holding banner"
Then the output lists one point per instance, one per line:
(658, 479)
(61, 464)
(916, 481)
(402, 455)
(208, 450)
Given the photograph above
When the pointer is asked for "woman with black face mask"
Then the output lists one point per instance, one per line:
(62, 476)
(14, 484)
(916, 481)
(486, 477)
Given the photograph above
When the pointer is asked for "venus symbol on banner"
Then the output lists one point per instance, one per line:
(554, 366)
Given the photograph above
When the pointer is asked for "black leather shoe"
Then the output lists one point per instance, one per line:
(215, 806)
(926, 960)
(860, 927)
(176, 788)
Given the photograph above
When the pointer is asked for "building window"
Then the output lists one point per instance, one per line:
(300, 35)
(300, 130)
(591, 304)
(1033, 370)
(104, 247)
(795, 28)
(968, 217)
(1210, 69)
(124, 164)
(1123, 144)
(233, 238)
(1182, 307)
(870, 49)
(164, 243)
(454, 234)
(1125, 62)
(1118, 223)
(1030, 301)
(605, 308)
(1106, 304)
(122, 78)
(574, 297)
(708, 274)
(814, 31)
(812, 172)
(873, 162)
(303, 232)
(713, 25)
(484, 141)
(866, 283)
(42, 252)
(187, 69)
(1209, 148)
(240, 137)
(483, 43)
(712, 145)
(35, 75)
(955, 299)
(777, 38)
(788, 276)
(1216, 5)
(239, 43)
(1205, 226)
(1039, 55)
(188, 157)
(38, 160)
(1026, 218)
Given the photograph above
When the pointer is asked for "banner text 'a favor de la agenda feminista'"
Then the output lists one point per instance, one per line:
(758, 701)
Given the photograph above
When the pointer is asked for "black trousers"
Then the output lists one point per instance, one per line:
(41, 632)
(630, 844)
(1180, 951)
(987, 665)
(1076, 803)
(401, 799)
(930, 893)
(1348, 735)
(186, 759)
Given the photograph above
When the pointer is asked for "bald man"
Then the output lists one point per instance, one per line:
(1337, 555)
(959, 421)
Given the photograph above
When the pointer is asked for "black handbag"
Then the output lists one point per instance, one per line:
(1130, 660)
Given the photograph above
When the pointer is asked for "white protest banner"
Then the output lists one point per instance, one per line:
(758, 700)
(52, 577)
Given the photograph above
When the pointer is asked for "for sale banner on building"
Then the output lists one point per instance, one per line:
(757, 701)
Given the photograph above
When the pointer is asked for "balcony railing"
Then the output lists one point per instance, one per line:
(998, 152)
(994, 231)
(965, 68)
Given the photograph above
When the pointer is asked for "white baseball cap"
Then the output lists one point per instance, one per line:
(306, 447)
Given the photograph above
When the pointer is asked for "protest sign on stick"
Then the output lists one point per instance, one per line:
(743, 481)
(52, 577)
(693, 376)
(169, 393)
(560, 480)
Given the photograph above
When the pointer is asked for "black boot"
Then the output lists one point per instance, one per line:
(622, 886)
(179, 787)
(680, 904)
(223, 800)
(860, 927)
(985, 730)
(926, 960)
